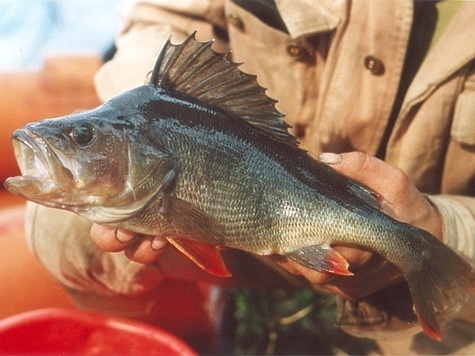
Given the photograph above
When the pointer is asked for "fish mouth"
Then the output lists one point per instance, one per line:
(44, 179)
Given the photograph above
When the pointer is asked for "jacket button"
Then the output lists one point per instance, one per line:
(235, 21)
(297, 51)
(374, 65)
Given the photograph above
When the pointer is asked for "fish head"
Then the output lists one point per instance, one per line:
(92, 160)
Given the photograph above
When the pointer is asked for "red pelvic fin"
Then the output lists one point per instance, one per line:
(321, 258)
(206, 257)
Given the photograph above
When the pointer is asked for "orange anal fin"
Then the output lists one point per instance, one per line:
(321, 258)
(204, 256)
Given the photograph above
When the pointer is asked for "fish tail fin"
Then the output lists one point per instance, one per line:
(439, 282)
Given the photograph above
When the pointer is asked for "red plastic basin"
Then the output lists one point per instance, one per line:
(75, 332)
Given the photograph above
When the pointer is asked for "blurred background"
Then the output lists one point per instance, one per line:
(49, 53)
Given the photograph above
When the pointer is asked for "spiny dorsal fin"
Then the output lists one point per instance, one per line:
(192, 68)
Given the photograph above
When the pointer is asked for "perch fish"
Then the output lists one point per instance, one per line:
(200, 156)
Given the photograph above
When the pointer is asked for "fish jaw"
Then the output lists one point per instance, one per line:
(44, 177)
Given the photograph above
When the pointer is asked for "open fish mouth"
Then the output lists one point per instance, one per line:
(44, 175)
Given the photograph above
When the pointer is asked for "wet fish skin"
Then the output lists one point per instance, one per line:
(200, 156)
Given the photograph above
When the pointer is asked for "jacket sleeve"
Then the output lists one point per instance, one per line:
(60, 240)
(458, 214)
(146, 27)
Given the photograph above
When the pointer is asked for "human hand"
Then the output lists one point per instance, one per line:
(399, 198)
(152, 249)
(137, 247)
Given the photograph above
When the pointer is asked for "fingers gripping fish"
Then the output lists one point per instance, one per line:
(201, 157)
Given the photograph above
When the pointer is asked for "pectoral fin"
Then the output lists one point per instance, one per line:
(188, 220)
(321, 258)
(206, 257)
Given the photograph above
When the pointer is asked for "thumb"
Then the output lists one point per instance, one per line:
(398, 197)
(387, 181)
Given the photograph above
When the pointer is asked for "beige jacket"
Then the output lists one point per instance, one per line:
(336, 74)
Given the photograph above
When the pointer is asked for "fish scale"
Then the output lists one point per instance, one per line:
(262, 184)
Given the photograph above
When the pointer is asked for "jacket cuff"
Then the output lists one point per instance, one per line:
(458, 214)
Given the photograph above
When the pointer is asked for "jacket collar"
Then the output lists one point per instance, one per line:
(454, 49)
(309, 17)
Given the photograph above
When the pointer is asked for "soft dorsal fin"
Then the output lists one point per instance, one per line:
(192, 68)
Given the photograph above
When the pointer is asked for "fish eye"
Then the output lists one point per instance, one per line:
(82, 134)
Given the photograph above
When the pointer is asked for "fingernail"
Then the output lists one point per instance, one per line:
(330, 158)
(124, 236)
(157, 244)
